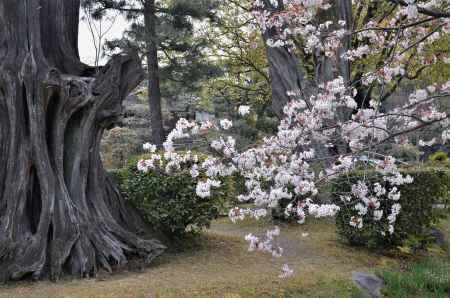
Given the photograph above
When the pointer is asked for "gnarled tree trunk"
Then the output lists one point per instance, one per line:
(59, 212)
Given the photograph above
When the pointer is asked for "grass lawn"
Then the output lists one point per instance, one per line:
(220, 266)
(426, 279)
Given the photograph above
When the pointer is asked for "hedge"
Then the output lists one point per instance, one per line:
(431, 186)
(169, 202)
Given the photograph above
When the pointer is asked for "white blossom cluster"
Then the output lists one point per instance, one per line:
(377, 201)
(265, 243)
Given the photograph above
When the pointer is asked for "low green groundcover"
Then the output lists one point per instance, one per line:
(430, 278)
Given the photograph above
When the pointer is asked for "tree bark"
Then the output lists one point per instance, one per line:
(285, 75)
(286, 70)
(329, 68)
(59, 211)
(154, 90)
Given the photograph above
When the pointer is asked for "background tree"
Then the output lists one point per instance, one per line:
(59, 211)
(296, 66)
(163, 32)
(239, 51)
(358, 17)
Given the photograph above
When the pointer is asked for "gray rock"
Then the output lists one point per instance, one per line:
(369, 284)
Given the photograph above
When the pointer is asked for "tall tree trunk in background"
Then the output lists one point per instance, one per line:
(327, 68)
(286, 70)
(154, 91)
(59, 211)
(285, 75)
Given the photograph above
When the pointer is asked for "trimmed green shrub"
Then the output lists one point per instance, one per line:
(169, 202)
(439, 158)
(416, 216)
(117, 145)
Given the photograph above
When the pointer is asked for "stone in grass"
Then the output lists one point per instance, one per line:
(370, 285)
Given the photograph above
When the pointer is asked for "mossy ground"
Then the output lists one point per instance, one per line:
(220, 266)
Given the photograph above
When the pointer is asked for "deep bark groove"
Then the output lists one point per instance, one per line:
(59, 211)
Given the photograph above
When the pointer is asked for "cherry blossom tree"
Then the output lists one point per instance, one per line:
(326, 111)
